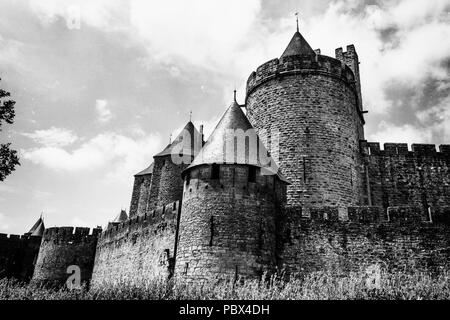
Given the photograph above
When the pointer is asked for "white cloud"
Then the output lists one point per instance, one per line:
(208, 34)
(119, 155)
(389, 133)
(433, 124)
(103, 112)
(53, 137)
(98, 13)
(418, 46)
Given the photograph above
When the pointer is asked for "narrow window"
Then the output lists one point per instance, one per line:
(188, 178)
(215, 171)
(252, 174)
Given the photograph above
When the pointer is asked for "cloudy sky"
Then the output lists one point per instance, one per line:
(100, 84)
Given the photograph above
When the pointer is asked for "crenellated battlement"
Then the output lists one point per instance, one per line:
(300, 65)
(71, 235)
(160, 215)
(392, 149)
(142, 247)
(349, 54)
(11, 237)
(18, 238)
(365, 215)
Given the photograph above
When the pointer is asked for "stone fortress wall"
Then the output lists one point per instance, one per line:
(400, 238)
(397, 176)
(349, 204)
(64, 247)
(139, 249)
(18, 255)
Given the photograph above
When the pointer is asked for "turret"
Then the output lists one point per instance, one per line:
(306, 106)
(65, 248)
(167, 185)
(141, 191)
(232, 194)
(161, 182)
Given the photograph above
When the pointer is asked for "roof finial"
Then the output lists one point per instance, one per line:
(190, 116)
(170, 138)
(235, 95)
(296, 17)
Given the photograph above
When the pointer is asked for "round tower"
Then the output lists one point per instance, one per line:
(306, 106)
(230, 205)
(61, 249)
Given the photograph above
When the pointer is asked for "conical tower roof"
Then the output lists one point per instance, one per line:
(191, 141)
(38, 228)
(121, 217)
(298, 46)
(223, 148)
(148, 170)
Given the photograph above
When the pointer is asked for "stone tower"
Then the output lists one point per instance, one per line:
(62, 248)
(230, 205)
(161, 182)
(307, 106)
(141, 191)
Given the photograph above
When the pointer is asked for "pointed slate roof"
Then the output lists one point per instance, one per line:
(223, 139)
(121, 217)
(191, 141)
(298, 46)
(38, 228)
(148, 170)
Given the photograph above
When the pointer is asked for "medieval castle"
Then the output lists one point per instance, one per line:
(320, 197)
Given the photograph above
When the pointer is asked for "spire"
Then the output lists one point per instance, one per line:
(191, 134)
(298, 45)
(234, 121)
(38, 228)
(121, 217)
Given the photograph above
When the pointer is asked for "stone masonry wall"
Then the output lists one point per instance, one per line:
(227, 225)
(139, 249)
(407, 242)
(143, 202)
(166, 185)
(313, 105)
(171, 183)
(18, 255)
(140, 195)
(399, 177)
(61, 248)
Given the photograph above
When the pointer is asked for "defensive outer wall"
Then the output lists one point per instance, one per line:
(140, 249)
(18, 255)
(63, 247)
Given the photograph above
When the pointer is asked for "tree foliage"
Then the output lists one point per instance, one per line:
(8, 157)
